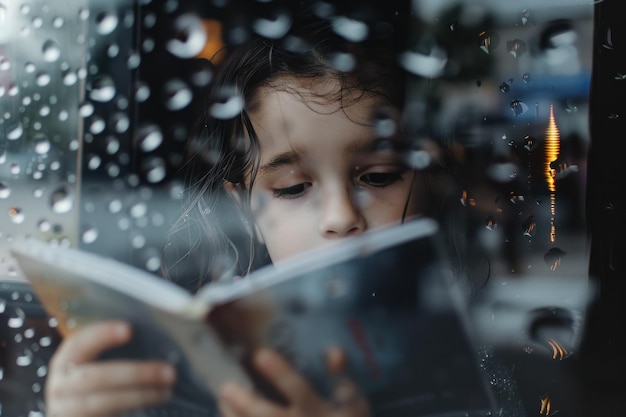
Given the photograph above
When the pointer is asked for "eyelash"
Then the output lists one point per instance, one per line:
(388, 178)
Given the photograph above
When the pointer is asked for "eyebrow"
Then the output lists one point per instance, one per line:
(378, 145)
(280, 160)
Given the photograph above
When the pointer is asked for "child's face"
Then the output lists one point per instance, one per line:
(324, 173)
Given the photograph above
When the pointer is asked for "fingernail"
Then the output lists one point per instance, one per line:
(121, 330)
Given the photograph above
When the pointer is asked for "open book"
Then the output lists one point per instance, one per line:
(385, 297)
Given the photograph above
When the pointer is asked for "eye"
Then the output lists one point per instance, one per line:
(294, 191)
(381, 179)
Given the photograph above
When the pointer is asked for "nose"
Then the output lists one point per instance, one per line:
(341, 215)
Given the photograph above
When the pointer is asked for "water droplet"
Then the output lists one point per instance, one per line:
(62, 199)
(25, 358)
(112, 145)
(350, 29)
(69, 78)
(488, 41)
(120, 122)
(105, 23)
(16, 318)
(57, 22)
(525, 16)
(502, 172)
(86, 109)
(44, 226)
(90, 235)
(15, 132)
(529, 226)
(526, 77)
(190, 37)
(97, 125)
(490, 223)
(150, 137)
(518, 107)
(154, 169)
(273, 28)
(115, 206)
(428, 66)
(5, 64)
(228, 104)
(516, 47)
(553, 258)
(102, 89)
(138, 210)
(16, 215)
(5, 191)
(93, 162)
(177, 95)
(45, 341)
(51, 51)
(505, 87)
(142, 91)
(41, 144)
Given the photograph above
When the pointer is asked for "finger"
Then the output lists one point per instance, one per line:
(111, 375)
(235, 400)
(108, 403)
(336, 361)
(88, 343)
(280, 373)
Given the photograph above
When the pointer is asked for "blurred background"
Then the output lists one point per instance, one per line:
(97, 99)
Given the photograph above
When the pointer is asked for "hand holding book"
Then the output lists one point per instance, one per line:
(384, 298)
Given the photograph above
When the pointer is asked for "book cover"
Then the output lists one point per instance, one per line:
(385, 297)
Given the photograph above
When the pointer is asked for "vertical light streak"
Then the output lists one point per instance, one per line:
(552, 148)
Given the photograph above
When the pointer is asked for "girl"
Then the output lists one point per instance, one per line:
(300, 146)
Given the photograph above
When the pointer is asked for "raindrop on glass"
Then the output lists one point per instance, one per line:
(44, 226)
(516, 47)
(120, 122)
(16, 318)
(177, 95)
(90, 235)
(15, 132)
(142, 91)
(5, 190)
(150, 137)
(525, 16)
(5, 64)
(190, 37)
(154, 169)
(274, 28)
(51, 51)
(505, 87)
(62, 199)
(106, 23)
(350, 29)
(229, 104)
(57, 22)
(97, 125)
(518, 107)
(488, 41)
(93, 162)
(102, 89)
(529, 226)
(29, 67)
(16, 215)
(25, 358)
(41, 144)
(526, 77)
(429, 66)
(86, 109)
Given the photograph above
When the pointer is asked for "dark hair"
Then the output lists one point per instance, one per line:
(215, 236)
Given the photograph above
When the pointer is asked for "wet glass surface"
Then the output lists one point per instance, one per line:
(98, 98)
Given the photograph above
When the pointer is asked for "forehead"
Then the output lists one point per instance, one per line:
(289, 103)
